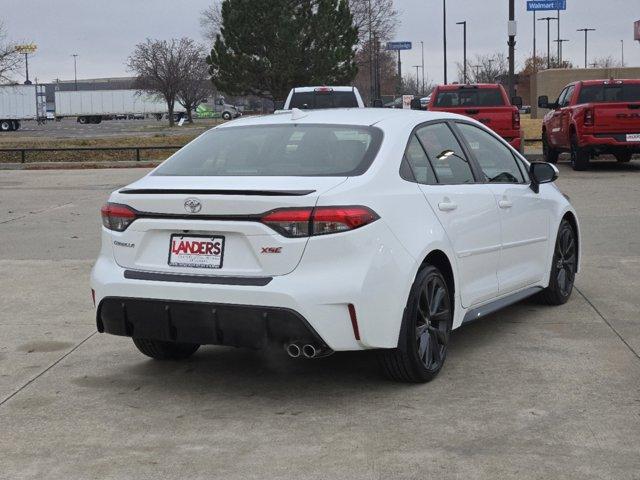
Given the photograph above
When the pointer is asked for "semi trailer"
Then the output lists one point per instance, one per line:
(17, 103)
(93, 106)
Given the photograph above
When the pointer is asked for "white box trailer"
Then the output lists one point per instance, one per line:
(17, 103)
(92, 106)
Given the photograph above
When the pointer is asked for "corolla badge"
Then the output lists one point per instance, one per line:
(192, 205)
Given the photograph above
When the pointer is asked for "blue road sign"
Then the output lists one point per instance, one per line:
(536, 5)
(399, 46)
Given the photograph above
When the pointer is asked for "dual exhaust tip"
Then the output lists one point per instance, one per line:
(297, 350)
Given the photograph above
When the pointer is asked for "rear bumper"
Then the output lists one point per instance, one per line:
(604, 140)
(366, 268)
(203, 323)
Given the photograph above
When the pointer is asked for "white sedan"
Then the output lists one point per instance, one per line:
(333, 230)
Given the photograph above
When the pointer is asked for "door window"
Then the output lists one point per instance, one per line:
(495, 159)
(567, 97)
(445, 154)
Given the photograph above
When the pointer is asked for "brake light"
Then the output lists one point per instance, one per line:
(588, 117)
(324, 90)
(306, 222)
(117, 217)
(516, 120)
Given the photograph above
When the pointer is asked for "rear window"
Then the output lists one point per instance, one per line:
(470, 97)
(329, 99)
(277, 150)
(629, 92)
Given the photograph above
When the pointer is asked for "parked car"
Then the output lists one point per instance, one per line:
(396, 103)
(591, 118)
(486, 102)
(312, 98)
(349, 229)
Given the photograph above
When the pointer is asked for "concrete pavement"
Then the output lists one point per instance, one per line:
(530, 392)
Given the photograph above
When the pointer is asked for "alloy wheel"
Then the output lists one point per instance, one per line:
(433, 323)
(566, 260)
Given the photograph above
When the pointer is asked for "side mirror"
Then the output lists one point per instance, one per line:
(377, 103)
(543, 101)
(542, 172)
(415, 104)
(517, 101)
(278, 104)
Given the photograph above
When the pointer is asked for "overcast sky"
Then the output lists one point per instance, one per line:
(103, 33)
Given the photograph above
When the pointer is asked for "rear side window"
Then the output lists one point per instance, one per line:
(419, 163)
(470, 97)
(626, 92)
(447, 158)
(277, 150)
(329, 99)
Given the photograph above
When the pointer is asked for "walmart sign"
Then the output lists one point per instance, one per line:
(536, 5)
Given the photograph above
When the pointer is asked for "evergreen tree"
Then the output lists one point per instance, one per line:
(266, 48)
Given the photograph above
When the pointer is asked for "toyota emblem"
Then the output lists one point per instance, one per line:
(192, 205)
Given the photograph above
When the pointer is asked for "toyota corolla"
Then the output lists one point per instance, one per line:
(333, 230)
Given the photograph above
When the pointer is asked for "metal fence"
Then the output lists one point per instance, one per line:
(24, 152)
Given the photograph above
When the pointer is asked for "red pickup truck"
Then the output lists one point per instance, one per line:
(486, 102)
(590, 118)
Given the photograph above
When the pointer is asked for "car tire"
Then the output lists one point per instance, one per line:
(550, 154)
(623, 157)
(563, 267)
(579, 156)
(226, 116)
(165, 350)
(426, 324)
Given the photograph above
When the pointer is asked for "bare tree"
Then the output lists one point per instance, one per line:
(196, 86)
(160, 67)
(605, 62)
(211, 20)
(485, 68)
(10, 59)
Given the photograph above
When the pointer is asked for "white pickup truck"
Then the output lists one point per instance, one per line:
(313, 98)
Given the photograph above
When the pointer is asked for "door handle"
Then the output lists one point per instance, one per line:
(505, 203)
(447, 206)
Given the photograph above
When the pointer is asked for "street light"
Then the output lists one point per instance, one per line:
(622, 48)
(560, 41)
(586, 41)
(444, 36)
(422, 45)
(25, 50)
(464, 34)
(75, 70)
(417, 67)
(548, 20)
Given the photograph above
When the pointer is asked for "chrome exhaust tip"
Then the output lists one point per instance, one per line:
(309, 351)
(293, 350)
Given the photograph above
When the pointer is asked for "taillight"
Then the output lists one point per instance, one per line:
(588, 117)
(516, 120)
(306, 222)
(117, 217)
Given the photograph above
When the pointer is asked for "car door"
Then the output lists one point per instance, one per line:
(565, 118)
(465, 208)
(524, 217)
(555, 124)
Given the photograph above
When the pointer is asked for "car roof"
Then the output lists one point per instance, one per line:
(459, 86)
(334, 88)
(609, 81)
(342, 116)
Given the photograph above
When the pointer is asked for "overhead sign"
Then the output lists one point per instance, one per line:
(399, 46)
(636, 30)
(27, 48)
(536, 5)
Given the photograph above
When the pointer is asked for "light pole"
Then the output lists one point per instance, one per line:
(26, 50)
(622, 51)
(422, 45)
(535, 53)
(417, 67)
(464, 37)
(75, 70)
(586, 41)
(548, 20)
(444, 37)
(560, 42)
(512, 48)
(477, 69)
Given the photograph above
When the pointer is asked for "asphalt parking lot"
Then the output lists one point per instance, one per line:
(530, 392)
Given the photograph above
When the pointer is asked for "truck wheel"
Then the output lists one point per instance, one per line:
(16, 125)
(5, 126)
(579, 156)
(97, 120)
(550, 154)
(623, 157)
(226, 115)
(165, 350)
(82, 120)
